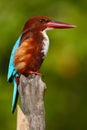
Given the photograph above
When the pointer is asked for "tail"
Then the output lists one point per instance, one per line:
(15, 95)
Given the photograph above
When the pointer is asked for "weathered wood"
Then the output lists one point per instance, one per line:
(22, 121)
(31, 91)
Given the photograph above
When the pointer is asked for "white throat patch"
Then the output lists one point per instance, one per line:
(45, 44)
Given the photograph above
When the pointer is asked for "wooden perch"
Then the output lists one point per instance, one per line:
(31, 91)
(22, 121)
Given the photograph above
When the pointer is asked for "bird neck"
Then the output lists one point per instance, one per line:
(43, 40)
(45, 46)
(40, 39)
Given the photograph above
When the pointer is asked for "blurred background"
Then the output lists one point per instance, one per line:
(64, 69)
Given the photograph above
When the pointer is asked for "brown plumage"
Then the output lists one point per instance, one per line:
(28, 56)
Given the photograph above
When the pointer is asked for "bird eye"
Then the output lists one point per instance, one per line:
(42, 21)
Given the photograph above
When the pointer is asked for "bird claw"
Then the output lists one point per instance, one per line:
(35, 72)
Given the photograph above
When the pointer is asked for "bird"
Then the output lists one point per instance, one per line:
(30, 50)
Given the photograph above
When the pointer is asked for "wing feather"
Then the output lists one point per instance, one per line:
(11, 68)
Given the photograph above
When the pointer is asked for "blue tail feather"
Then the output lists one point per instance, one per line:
(15, 95)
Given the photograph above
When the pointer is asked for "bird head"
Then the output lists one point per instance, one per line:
(41, 23)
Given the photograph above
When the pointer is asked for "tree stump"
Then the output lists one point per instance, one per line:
(31, 90)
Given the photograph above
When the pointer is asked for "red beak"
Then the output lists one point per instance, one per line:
(60, 25)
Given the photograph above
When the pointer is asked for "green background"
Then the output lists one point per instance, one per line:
(64, 69)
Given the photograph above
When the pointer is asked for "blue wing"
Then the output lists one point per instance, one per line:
(11, 77)
(11, 68)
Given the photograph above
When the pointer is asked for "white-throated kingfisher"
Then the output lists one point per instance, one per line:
(30, 50)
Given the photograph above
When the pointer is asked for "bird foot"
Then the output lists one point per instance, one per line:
(35, 72)
(17, 80)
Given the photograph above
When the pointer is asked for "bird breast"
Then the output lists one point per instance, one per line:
(28, 57)
(31, 53)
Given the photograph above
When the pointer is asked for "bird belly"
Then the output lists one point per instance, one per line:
(27, 58)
